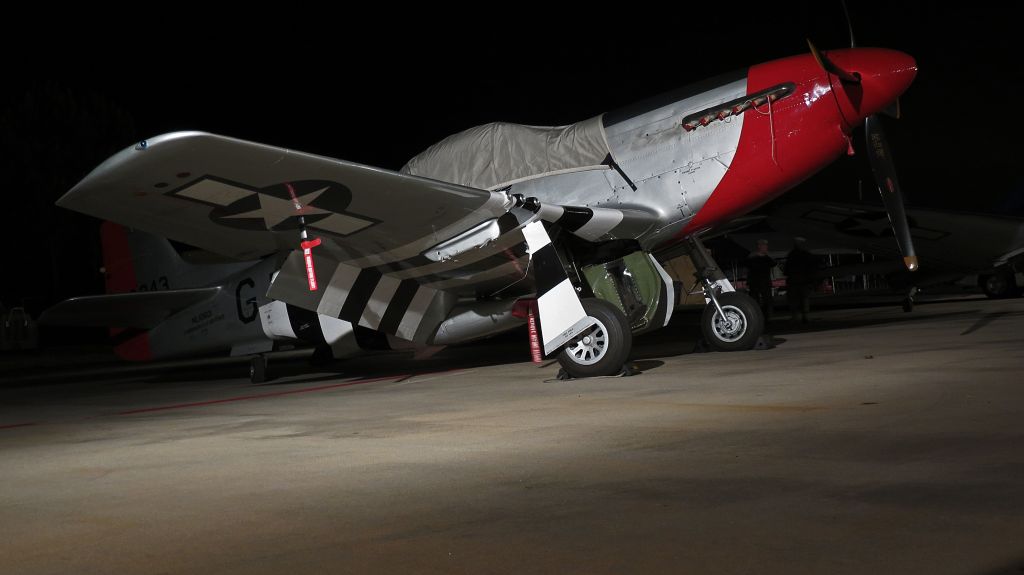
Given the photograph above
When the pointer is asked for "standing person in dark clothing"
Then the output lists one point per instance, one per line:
(759, 278)
(800, 269)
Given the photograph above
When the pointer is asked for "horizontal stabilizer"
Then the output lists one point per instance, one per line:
(143, 310)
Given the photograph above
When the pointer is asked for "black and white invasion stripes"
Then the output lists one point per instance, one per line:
(413, 307)
(598, 224)
(410, 298)
(366, 297)
(561, 313)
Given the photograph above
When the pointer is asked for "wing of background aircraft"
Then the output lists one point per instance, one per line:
(950, 245)
(945, 240)
(395, 251)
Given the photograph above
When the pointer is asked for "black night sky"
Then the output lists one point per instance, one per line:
(374, 91)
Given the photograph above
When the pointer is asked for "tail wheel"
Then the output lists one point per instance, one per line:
(258, 369)
(998, 285)
(740, 327)
(603, 348)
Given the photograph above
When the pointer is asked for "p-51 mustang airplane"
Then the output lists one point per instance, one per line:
(568, 222)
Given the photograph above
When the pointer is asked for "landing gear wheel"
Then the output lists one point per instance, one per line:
(998, 285)
(601, 349)
(739, 329)
(908, 304)
(258, 369)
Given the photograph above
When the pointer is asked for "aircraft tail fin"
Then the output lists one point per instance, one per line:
(133, 261)
(137, 261)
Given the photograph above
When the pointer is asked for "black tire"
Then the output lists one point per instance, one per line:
(257, 369)
(998, 285)
(746, 323)
(604, 348)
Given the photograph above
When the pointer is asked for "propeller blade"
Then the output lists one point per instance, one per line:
(885, 174)
(849, 24)
(878, 152)
(829, 66)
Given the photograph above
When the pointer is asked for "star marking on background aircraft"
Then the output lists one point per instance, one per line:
(869, 224)
(322, 203)
(876, 226)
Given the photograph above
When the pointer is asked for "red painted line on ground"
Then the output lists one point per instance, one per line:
(276, 393)
(13, 425)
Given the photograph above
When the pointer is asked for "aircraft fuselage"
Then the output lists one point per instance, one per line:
(705, 154)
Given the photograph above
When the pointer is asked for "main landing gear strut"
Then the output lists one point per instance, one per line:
(732, 321)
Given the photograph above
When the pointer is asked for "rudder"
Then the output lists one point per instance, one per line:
(137, 261)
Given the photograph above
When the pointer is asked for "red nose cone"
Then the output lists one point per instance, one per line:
(884, 75)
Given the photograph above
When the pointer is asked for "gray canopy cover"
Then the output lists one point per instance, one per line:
(498, 154)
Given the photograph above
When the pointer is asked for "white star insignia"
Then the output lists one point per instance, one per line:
(274, 210)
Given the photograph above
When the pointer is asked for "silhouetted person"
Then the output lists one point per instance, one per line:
(800, 269)
(759, 278)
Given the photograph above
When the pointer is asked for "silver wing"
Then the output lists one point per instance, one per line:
(397, 251)
(233, 197)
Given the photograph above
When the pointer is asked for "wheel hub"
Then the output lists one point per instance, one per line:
(588, 348)
(731, 327)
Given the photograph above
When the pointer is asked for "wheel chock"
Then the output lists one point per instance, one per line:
(765, 341)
